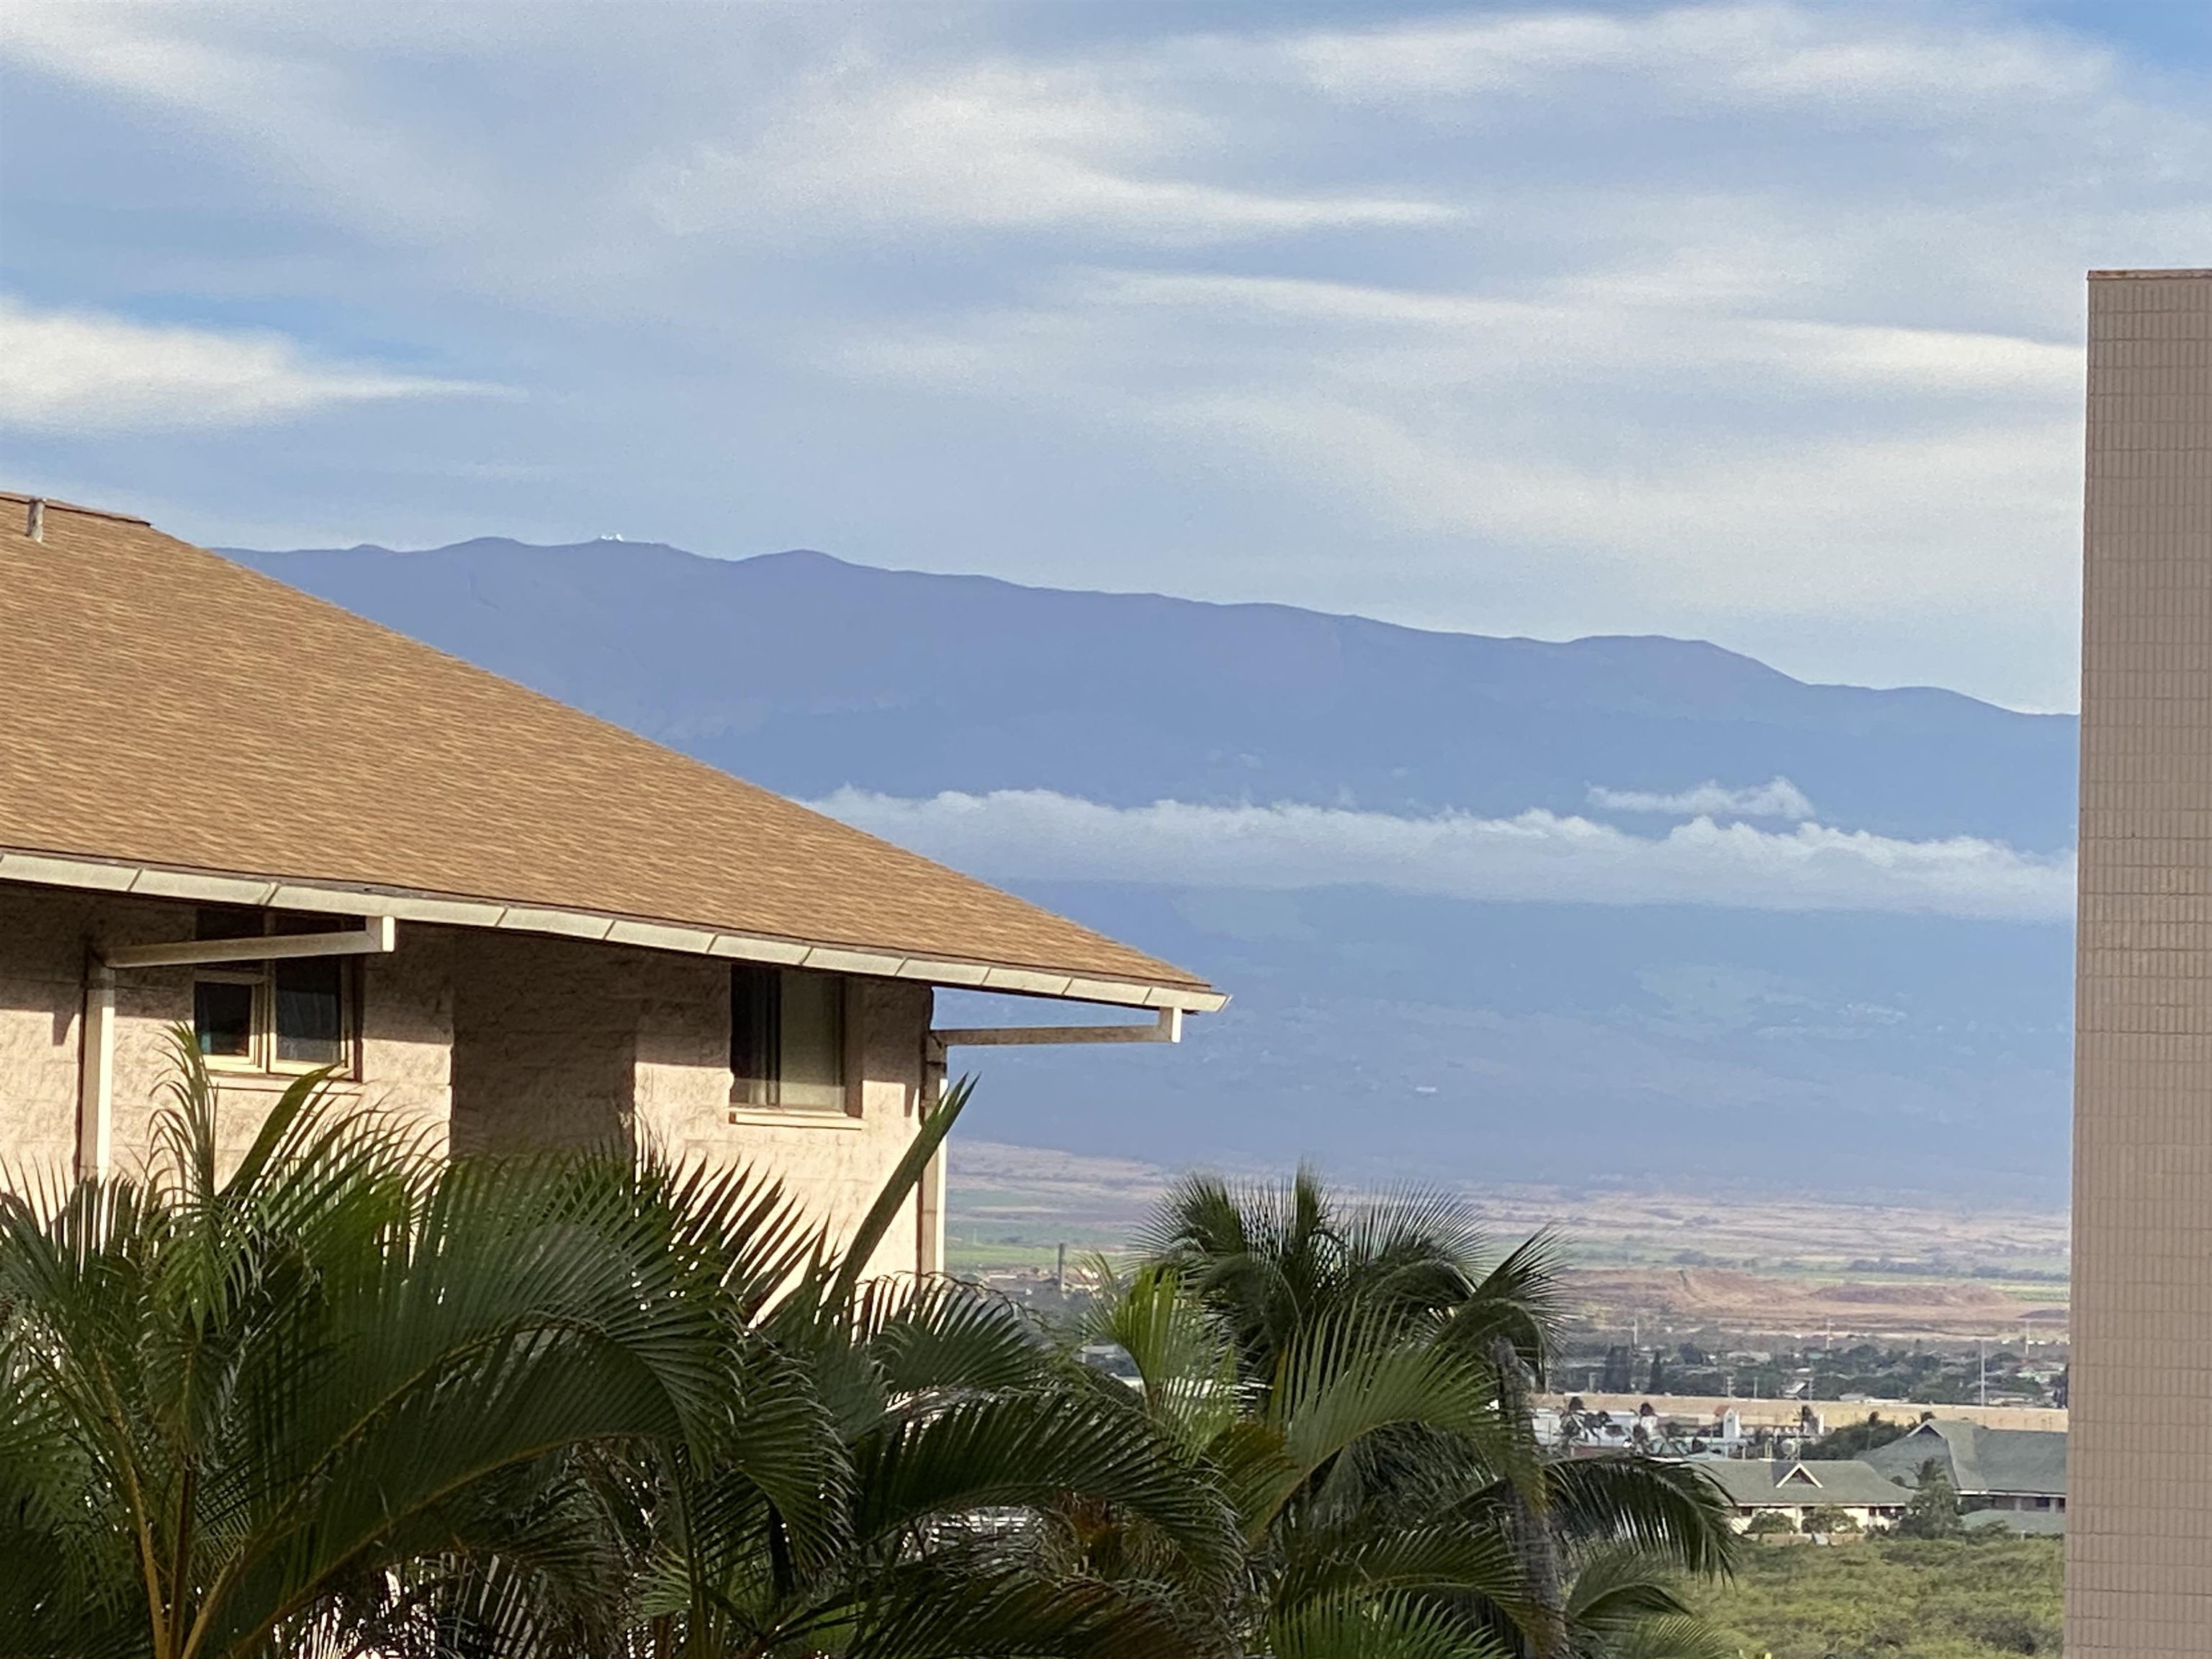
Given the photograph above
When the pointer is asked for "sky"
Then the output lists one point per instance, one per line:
(1759, 323)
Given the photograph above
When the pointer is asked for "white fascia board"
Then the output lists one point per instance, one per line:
(1027, 980)
(46, 870)
(43, 871)
(1108, 990)
(321, 901)
(525, 919)
(444, 913)
(943, 973)
(400, 906)
(832, 959)
(209, 889)
(745, 947)
(653, 936)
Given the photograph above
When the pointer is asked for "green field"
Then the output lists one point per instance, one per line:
(1895, 1600)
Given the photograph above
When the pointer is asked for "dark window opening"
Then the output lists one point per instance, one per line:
(222, 1017)
(310, 1013)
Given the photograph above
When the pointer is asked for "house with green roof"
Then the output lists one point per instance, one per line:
(1791, 1488)
(2020, 1471)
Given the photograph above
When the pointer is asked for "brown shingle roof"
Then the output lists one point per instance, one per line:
(160, 706)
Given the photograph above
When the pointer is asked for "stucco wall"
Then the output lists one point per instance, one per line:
(487, 1040)
(47, 939)
(544, 1042)
(833, 1163)
(563, 1042)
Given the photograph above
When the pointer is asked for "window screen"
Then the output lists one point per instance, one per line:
(787, 1039)
(310, 1010)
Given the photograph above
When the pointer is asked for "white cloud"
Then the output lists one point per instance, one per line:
(269, 81)
(861, 153)
(1883, 460)
(76, 371)
(1866, 66)
(1776, 799)
(1748, 321)
(1036, 835)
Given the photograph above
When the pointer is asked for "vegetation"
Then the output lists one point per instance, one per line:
(350, 1398)
(1852, 1440)
(1893, 1599)
(1933, 1511)
(1360, 1376)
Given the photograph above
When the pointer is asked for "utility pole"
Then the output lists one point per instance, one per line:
(1984, 1343)
(1059, 1270)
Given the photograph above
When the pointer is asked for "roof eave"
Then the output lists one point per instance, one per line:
(44, 869)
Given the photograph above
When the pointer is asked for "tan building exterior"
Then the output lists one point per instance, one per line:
(229, 807)
(2139, 1544)
(1806, 1492)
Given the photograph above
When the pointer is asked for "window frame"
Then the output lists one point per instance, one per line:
(743, 1107)
(261, 1058)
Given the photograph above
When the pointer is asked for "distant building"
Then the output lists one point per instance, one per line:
(1792, 1489)
(2139, 1551)
(2015, 1470)
(1646, 1429)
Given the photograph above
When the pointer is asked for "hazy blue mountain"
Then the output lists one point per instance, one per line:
(804, 673)
(1380, 1033)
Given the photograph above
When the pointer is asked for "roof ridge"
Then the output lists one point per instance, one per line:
(55, 504)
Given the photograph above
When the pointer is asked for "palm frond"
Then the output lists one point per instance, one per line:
(1518, 1301)
(1186, 1370)
(1392, 1625)
(897, 1187)
(1671, 1513)
(1033, 1451)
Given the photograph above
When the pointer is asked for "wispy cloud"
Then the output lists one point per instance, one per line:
(1036, 835)
(861, 153)
(1777, 799)
(1609, 434)
(1753, 321)
(1924, 67)
(75, 371)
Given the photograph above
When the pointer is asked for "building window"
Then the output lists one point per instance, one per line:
(787, 1035)
(292, 1014)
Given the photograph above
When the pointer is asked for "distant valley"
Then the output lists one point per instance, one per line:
(1621, 911)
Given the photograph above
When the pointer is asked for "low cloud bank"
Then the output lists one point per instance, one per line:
(1778, 798)
(1036, 835)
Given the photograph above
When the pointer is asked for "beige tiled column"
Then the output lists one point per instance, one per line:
(2139, 1512)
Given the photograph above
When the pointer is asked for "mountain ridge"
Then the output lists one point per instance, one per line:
(1299, 705)
(1381, 1034)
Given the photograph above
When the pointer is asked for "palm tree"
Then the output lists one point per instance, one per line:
(1359, 1375)
(350, 1399)
(347, 1392)
(962, 1438)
